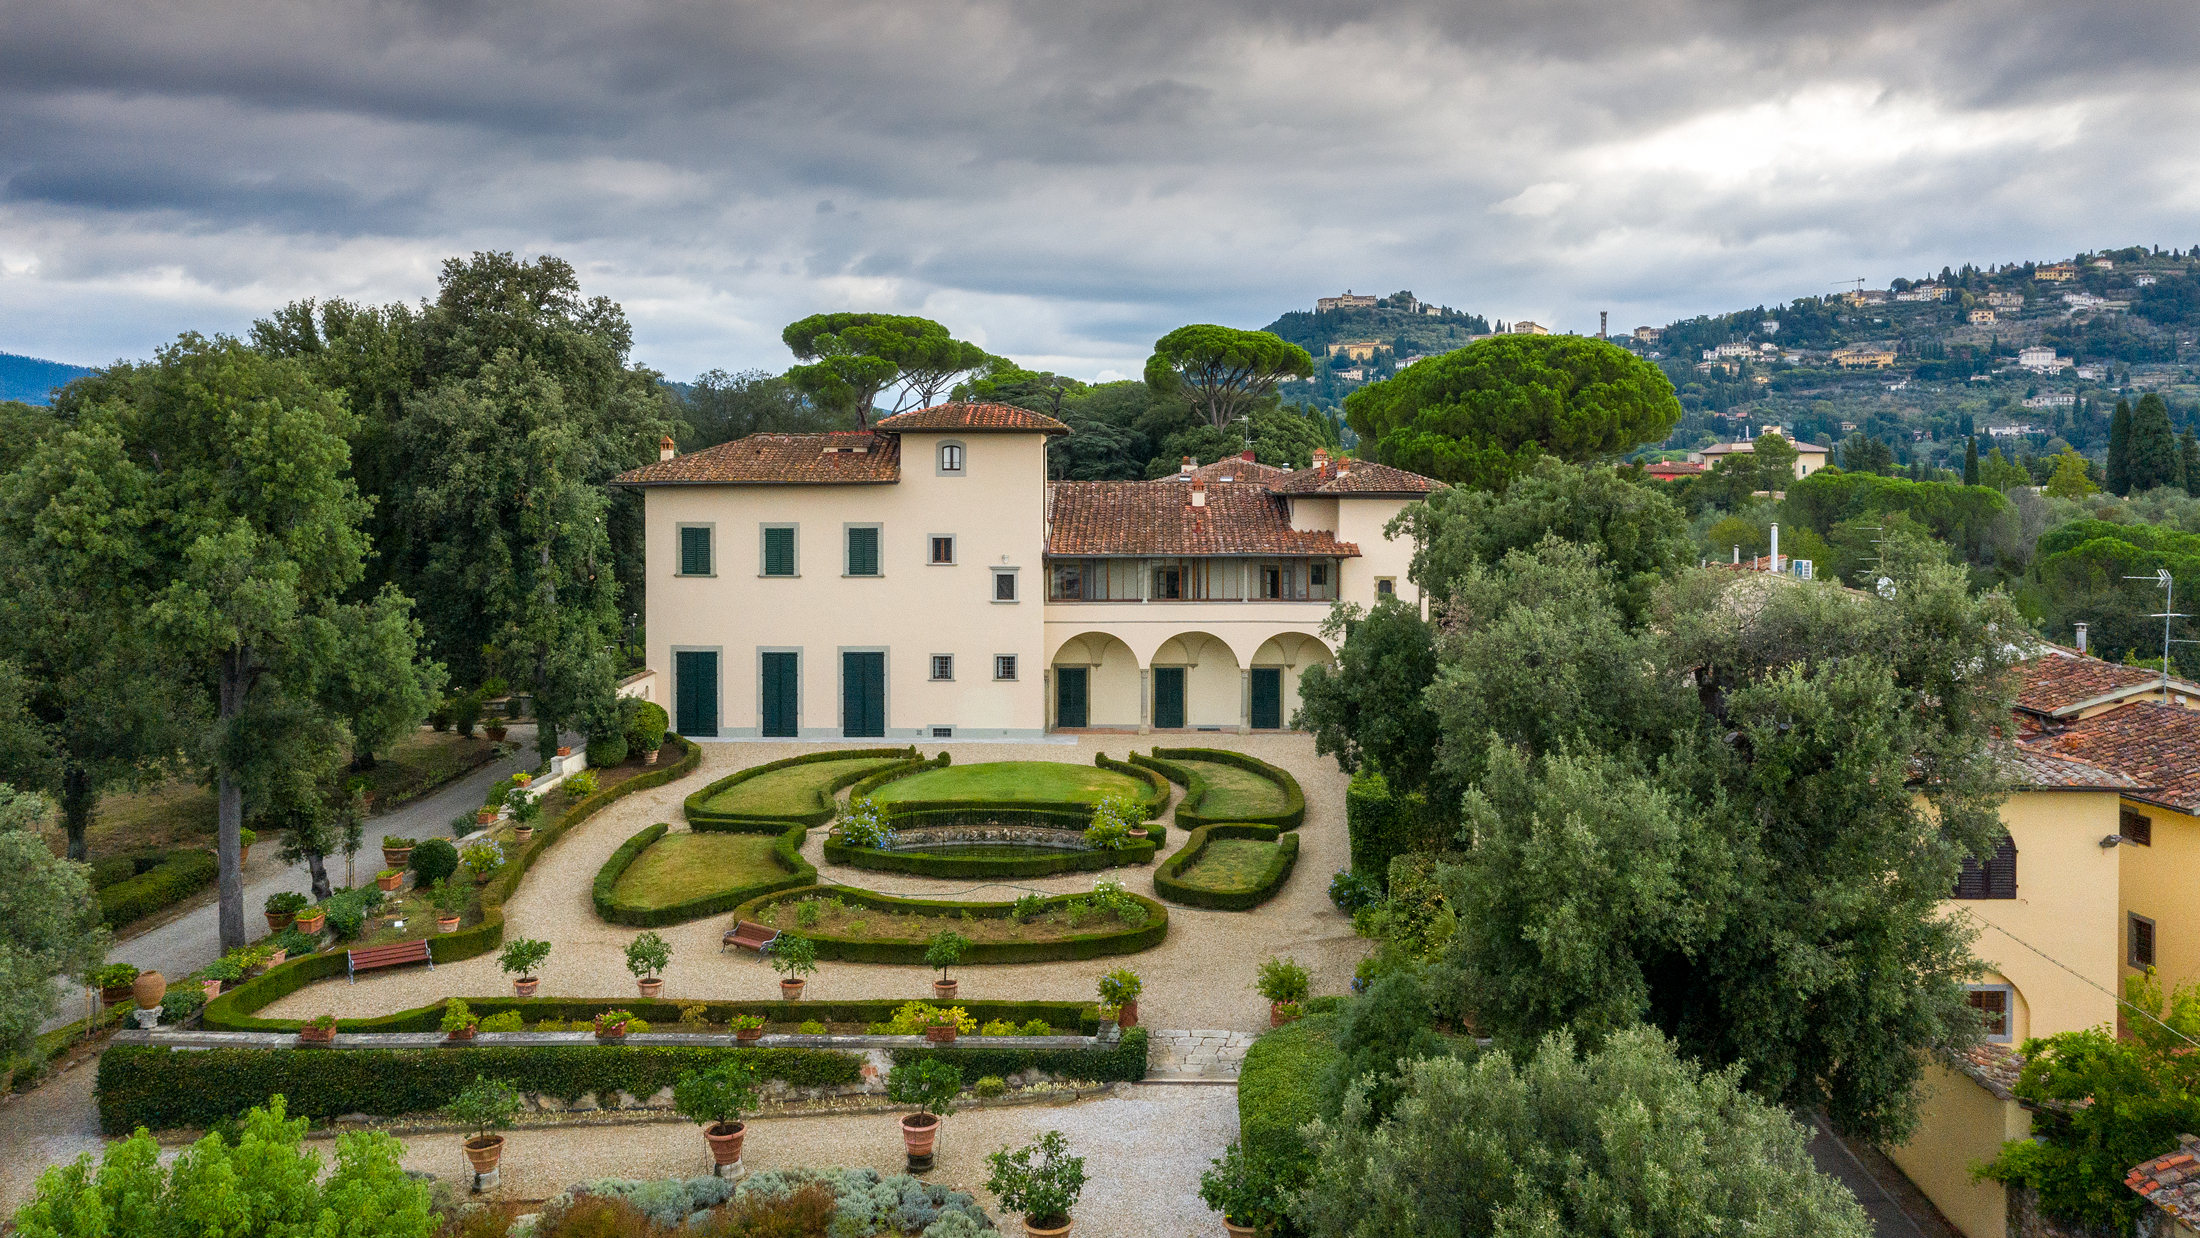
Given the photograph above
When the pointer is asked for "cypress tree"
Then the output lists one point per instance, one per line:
(2188, 451)
(2151, 458)
(2119, 450)
(1970, 462)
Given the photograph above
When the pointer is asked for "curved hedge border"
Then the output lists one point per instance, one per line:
(786, 851)
(1154, 798)
(697, 810)
(948, 864)
(1164, 762)
(163, 1089)
(880, 778)
(1166, 884)
(1118, 940)
(1125, 1062)
(1157, 787)
(232, 1010)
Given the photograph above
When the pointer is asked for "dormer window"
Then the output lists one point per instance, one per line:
(951, 459)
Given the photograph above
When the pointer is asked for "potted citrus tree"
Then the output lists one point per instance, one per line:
(525, 809)
(485, 1105)
(647, 956)
(793, 956)
(931, 1085)
(450, 904)
(520, 960)
(945, 949)
(1243, 1188)
(1119, 990)
(483, 858)
(1284, 983)
(1042, 1181)
(717, 1098)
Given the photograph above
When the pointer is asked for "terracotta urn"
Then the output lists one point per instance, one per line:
(389, 883)
(446, 924)
(396, 857)
(244, 855)
(918, 1130)
(1140, 833)
(277, 921)
(148, 989)
(651, 988)
(1034, 1231)
(310, 922)
(945, 989)
(940, 1033)
(790, 990)
(725, 1141)
(1126, 1015)
(748, 1035)
(525, 986)
(483, 1151)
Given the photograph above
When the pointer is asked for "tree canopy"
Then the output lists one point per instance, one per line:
(1223, 371)
(49, 921)
(854, 356)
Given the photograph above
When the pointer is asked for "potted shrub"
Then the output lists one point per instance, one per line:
(113, 982)
(318, 1030)
(496, 732)
(717, 1098)
(1120, 989)
(793, 956)
(485, 1105)
(245, 839)
(1284, 983)
(389, 879)
(931, 1085)
(396, 850)
(311, 919)
(221, 975)
(459, 1022)
(943, 1026)
(945, 949)
(747, 1027)
(645, 729)
(615, 1024)
(647, 956)
(525, 810)
(449, 902)
(519, 961)
(483, 858)
(1041, 1180)
(282, 909)
(1243, 1189)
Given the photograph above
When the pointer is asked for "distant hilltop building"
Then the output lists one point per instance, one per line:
(1358, 350)
(1921, 292)
(1649, 335)
(2042, 361)
(1345, 302)
(2052, 400)
(2056, 273)
(1982, 318)
(2005, 300)
(1524, 327)
(1863, 358)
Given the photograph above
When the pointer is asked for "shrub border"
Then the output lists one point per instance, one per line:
(664, 1013)
(1124, 1062)
(1167, 884)
(1164, 762)
(931, 864)
(178, 874)
(878, 950)
(695, 808)
(786, 852)
(1280, 1082)
(232, 1010)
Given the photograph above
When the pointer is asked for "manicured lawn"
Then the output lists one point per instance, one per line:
(1234, 793)
(1055, 781)
(791, 791)
(1230, 864)
(681, 867)
(829, 918)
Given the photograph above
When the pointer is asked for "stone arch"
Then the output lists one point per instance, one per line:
(1114, 680)
(1214, 682)
(1291, 653)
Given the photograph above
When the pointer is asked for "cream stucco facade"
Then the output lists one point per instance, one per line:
(1962, 1123)
(2161, 885)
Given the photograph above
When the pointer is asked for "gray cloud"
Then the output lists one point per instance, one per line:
(1064, 185)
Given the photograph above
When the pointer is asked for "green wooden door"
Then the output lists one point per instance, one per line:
(1168, 697)
(782, 678)
(695, 693)
(862, 694)
(1069, 695)
(1267, 698)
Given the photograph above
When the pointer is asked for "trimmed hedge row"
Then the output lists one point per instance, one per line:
(948, 864)
(160, 880)
(1382, 826)
(1168, 886)
(1156, 797)
(163, 1089)
(232, 1010)
(1118, 940)
(1124, 1061)
(696, 807)
(663, 1014)
(786, 850)
(1280, 1083)
(1188, 814)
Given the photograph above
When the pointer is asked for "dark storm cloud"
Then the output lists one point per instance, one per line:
(1066, 181)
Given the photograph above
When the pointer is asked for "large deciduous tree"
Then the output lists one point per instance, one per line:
(1222, 370)
(373, 678)
(49, 921)
(1478, 415)
(719, 407)
(1368, 710)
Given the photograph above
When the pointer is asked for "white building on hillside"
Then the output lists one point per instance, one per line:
(924, 580)
(2041, 360)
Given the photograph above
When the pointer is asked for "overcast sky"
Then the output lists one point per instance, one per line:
(1064, 182)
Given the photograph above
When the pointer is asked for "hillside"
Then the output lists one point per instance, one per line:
(30, 379)
(1400, 324)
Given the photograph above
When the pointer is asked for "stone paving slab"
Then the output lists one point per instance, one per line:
(1196, 1054)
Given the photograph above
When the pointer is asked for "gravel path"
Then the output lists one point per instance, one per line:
(1200, 977)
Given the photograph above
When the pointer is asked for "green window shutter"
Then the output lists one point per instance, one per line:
(695, 552)
(779, 552)
(863, 552)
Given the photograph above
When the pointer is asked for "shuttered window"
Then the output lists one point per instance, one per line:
(779, 551)
(2136, 827)
(1996, 878)
(694, 551)
(2142, 941)
(1992, 1003)
(863, 551)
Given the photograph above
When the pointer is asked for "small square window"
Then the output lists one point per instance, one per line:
(951, 457)
(2136, 827)
(2142, 941)
(943, 550)
(1992, 1003)
(943, 666)
(1386, 586)
(1004, 586)
(1004, 666)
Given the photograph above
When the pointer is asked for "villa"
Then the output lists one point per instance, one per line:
(923, 579)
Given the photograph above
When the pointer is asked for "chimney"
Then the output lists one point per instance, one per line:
(1199, 492)
(665, 449)
(2081, 636)
(1187, 466)
(1246, 455)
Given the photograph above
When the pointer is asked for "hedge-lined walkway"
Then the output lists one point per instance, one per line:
(1200, 977)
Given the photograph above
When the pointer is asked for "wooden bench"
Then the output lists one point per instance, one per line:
(414, 951)
(748, 934)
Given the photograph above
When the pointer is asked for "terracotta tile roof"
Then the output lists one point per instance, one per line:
(1995, 1067)
(1157, 518)
(2063, 681)
(839, 458)
(2036, 770)
(2159, 745)
(1354, 477)
(1675, 468)
(1232, 469)
(973, 419)
(2171, 1181)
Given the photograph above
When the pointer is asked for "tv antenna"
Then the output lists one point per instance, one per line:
(2168, 615)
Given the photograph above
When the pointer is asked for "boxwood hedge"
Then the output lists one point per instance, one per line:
(786, 851)
(663, 1014)
(163, 1089)
(1168, 884)
(1189, 812)
(154, 881)
(947, 863)
(1115, 939)
(1280, 1083)
(697, 808)
(1125, 1060)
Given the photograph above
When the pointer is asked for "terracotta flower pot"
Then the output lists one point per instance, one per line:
(1126, 1015)
(483, 1152)
(565, 750)
(213, 988)
(463, 1034)
(277, 921)
(485, 816)
(945, 989)
(940, 1033)
(390, 883)
(725, 1141)
(275, 960)
(495, 733)
(396, 857)
(790, 990)
(1276, 1017)
(1034, 1231)
(611, 1034)
(316, 1035)
(524, 986)
(446, 924)
(649, 757)
(748, 1035)
(310, 922)
(523, 833)
(148, 989)
(918, 1130)
(1140, 834)
(1240, 1231)
(651, 988)
(244, 855)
